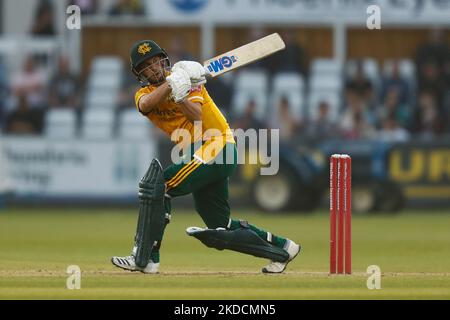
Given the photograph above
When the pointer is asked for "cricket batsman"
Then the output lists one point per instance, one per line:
(176, 101)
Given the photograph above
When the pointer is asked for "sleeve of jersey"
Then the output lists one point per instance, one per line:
(141, 92)
(196, 95)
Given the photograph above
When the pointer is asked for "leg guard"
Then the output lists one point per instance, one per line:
(241, 240)
(152, 217)
(167, 218)
(155, 257)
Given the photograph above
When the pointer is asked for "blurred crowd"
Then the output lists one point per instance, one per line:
(28, 93)
(390, 108)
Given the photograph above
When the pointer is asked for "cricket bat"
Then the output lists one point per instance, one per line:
(244, 55)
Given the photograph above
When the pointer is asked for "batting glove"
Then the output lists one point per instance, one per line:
(180, 84)
(196, 71)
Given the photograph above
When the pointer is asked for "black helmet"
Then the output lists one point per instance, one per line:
(143, 50)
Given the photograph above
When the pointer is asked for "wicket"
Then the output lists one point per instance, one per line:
(340, 214)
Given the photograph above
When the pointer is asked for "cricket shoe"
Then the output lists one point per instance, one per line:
(292, 249)
(128, 263)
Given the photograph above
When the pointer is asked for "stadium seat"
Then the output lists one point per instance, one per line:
(250, 85)
(60, 123)
(97, 124)
(132, 125)
(326, 67)
(291, 86)
(107, 64)
(104, 81)
(327, 83)
(101, 99)
(370, 68)
(407, 68)
(288, 81)
(252, 80)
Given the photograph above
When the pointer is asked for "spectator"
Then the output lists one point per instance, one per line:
(361, 128)
(431, 79)
(65, 86)
(395, 81)
(23, 120)
(291, 59)
(249, 119)
(392, 106)
(31, 83)
(391, 131)
(357, 121)
(360, 85)
(127, 7)
(428, 121)
(434, 50)
(4, 88)
(87, 7)
(322, 127)
(44, 21)
(447, 74)
(284, 121)
(446, 102)
(177, 50)
(446, 96)
(431, 59)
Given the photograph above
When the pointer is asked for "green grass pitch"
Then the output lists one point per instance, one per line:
(36, 247)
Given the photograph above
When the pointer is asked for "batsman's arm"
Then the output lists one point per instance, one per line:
(192, 110)
(149, 101)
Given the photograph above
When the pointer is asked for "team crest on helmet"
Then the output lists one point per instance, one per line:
(144, 48)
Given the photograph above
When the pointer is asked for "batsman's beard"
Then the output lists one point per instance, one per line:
(158, 72)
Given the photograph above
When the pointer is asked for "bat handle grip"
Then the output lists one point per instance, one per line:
(207, 73)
